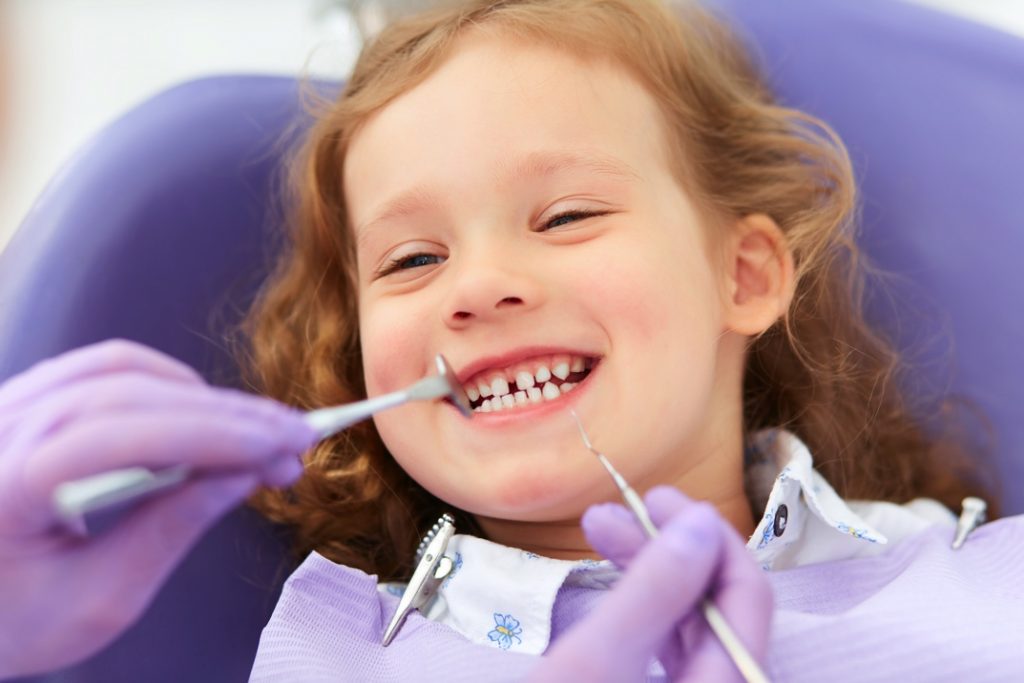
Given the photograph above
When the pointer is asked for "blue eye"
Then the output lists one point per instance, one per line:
(571, 216)
(408, 262)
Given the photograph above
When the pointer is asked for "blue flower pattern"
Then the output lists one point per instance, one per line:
(506, 628)
(855, 531)
(456, 566)
(769, 529)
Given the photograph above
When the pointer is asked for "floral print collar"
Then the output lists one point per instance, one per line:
(798, 496)
(504, 597)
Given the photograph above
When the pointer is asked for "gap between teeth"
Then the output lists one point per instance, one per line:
(524, 380)
(534, 394)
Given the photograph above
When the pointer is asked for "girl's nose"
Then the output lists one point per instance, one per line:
(491, 289)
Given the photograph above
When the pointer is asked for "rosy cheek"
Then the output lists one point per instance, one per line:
(393, 347)
(624, 292)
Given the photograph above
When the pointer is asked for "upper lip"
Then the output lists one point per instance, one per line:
(504, 360)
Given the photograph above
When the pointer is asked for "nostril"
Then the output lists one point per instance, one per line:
(509, 300)
(462, 315)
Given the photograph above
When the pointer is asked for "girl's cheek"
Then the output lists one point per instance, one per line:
(623, 294)
(392, 345)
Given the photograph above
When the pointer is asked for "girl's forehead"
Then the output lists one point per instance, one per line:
(497, 105)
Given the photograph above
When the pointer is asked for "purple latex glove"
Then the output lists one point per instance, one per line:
(108, 406)
(654, 610)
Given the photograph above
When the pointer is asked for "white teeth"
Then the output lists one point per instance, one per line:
(524, 380)
(543, 374)
(561, 370)
(529, 388)
(499, 386)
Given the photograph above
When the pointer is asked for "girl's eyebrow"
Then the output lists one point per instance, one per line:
(541, 164)
(533, 165)
(408, 203)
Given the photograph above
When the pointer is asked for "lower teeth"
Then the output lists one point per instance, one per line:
(549, 392)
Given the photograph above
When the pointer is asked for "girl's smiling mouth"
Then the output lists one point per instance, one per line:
(534, 382)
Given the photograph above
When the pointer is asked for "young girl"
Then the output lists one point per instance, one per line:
(595, 206)
(584, 204)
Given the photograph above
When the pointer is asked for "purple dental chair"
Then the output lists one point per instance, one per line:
(162, 228)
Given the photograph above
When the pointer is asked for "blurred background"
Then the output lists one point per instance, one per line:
(75, 65)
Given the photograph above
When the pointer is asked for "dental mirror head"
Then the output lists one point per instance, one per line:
(456, 394)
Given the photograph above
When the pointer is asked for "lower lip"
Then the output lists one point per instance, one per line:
(510, 416)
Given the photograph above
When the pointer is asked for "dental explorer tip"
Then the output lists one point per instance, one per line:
(583, 432)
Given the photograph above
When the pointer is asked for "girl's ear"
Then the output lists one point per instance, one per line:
(759, 278)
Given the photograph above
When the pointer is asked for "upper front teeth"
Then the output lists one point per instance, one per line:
(524, 380)
(522, 398)
(525, 385)
(561, 370)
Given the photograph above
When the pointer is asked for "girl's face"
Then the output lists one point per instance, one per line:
(517, 213)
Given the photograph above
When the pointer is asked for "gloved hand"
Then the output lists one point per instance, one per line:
(108, 406)
(654, 609)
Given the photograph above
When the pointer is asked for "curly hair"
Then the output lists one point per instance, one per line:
(821, 371)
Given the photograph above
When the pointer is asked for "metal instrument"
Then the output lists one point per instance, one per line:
(743, 660)
(432, 567)
(89, 505)
(973, 512)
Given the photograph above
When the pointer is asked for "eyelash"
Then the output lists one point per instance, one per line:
(580, 214)
(395, 264)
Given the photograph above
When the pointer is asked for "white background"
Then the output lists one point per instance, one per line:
(78, 64)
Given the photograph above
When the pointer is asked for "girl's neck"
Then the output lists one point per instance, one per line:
(564, 539)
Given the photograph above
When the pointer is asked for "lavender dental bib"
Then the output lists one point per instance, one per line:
(919, 612)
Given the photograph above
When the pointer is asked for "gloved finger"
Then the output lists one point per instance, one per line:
(132, 391)
(160, 438)
(743, 595)
(664, 502)
(125, 567)
(741, 592)
(283, 470)
(103, 358)
(662, 585)
(684, 642)
(155, 440)
(613, 531)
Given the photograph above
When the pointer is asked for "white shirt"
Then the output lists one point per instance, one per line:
(503, 597)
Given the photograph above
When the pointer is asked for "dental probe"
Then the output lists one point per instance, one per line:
(89, 505)
(747, 665)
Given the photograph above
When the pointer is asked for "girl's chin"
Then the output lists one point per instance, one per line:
(536, 500)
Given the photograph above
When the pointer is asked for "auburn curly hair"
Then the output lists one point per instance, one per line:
(821, 371)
